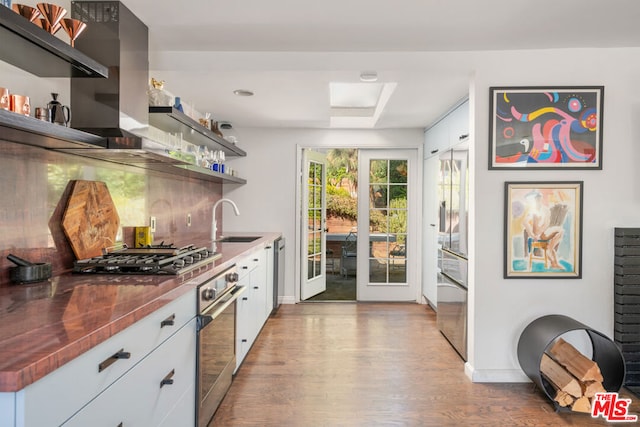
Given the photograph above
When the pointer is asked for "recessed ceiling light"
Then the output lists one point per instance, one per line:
(243, 92)
(368, 76)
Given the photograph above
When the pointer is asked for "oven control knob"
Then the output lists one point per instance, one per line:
(208, 294)
(232, 277)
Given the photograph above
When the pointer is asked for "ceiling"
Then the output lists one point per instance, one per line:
(289, 51)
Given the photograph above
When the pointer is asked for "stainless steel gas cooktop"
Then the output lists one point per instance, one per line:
(160, 259)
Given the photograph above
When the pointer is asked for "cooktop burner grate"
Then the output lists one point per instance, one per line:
(158, 259)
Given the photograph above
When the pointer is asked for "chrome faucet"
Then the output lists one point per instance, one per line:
(214, 224)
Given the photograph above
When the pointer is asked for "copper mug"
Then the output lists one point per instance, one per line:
(5, 100)
(20, 104)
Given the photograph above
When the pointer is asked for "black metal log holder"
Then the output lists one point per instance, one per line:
(540, 335)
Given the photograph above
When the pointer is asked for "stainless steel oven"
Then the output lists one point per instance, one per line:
(216, 356)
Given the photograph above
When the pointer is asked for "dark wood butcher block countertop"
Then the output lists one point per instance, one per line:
(47, 324)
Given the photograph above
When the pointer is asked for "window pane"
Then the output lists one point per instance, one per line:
(398, 171)
(397, 221)
(397, 194)
(310, 201)
(317, 242)
(310, 273)
(378, 171)
(378, 248)
(378, 194)
(397, 272)
(378, 221)
(318, 168)
(378, 270)
(310, 247)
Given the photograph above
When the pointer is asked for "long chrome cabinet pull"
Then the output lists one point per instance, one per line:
(121, 354)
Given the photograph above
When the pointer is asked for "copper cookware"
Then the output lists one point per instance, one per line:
(5, 99)
(20, 104)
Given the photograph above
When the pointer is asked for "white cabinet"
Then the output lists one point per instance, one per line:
(458, 124)
(430, 229)
(182, 410)
(254, 306)
(55, 398)
(148, 393)
(449, 131)
(244, 337)
(436, 139)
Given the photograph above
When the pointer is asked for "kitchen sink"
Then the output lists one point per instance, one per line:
(239, 239)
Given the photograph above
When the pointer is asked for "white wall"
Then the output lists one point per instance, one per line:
(501, 308)
(267, 201)
(38, 89)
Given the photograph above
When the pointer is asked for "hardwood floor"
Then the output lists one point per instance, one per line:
(357, 364)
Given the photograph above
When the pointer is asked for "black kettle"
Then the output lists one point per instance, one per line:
(58, 113)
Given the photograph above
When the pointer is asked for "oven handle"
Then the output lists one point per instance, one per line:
(205, 318)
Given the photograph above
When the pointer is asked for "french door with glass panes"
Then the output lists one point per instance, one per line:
(314, 213)
(386, 226)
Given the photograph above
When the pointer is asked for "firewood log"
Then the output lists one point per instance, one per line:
(577, 363)
(582, 405)
(559, 376)
(590, 388)
(563, 398)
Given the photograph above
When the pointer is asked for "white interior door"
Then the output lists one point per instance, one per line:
(314, 224)
(387, 239)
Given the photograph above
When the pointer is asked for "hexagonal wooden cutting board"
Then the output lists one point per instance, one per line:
(90, 220)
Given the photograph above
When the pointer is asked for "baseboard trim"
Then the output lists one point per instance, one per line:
(495, 375)
(287, 300)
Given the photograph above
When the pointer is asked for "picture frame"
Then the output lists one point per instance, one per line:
(543, 230)
(540, 127)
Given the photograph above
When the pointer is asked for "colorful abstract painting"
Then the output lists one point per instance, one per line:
(543, 227)
(546, 127)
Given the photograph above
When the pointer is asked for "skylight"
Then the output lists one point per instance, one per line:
(358, 105)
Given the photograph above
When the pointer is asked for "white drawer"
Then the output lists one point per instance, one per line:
(244, 327)
(141, 398)
(81, 380)
(248, 263)
(183, 411)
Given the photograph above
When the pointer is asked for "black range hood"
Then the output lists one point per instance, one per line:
(115, 108)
